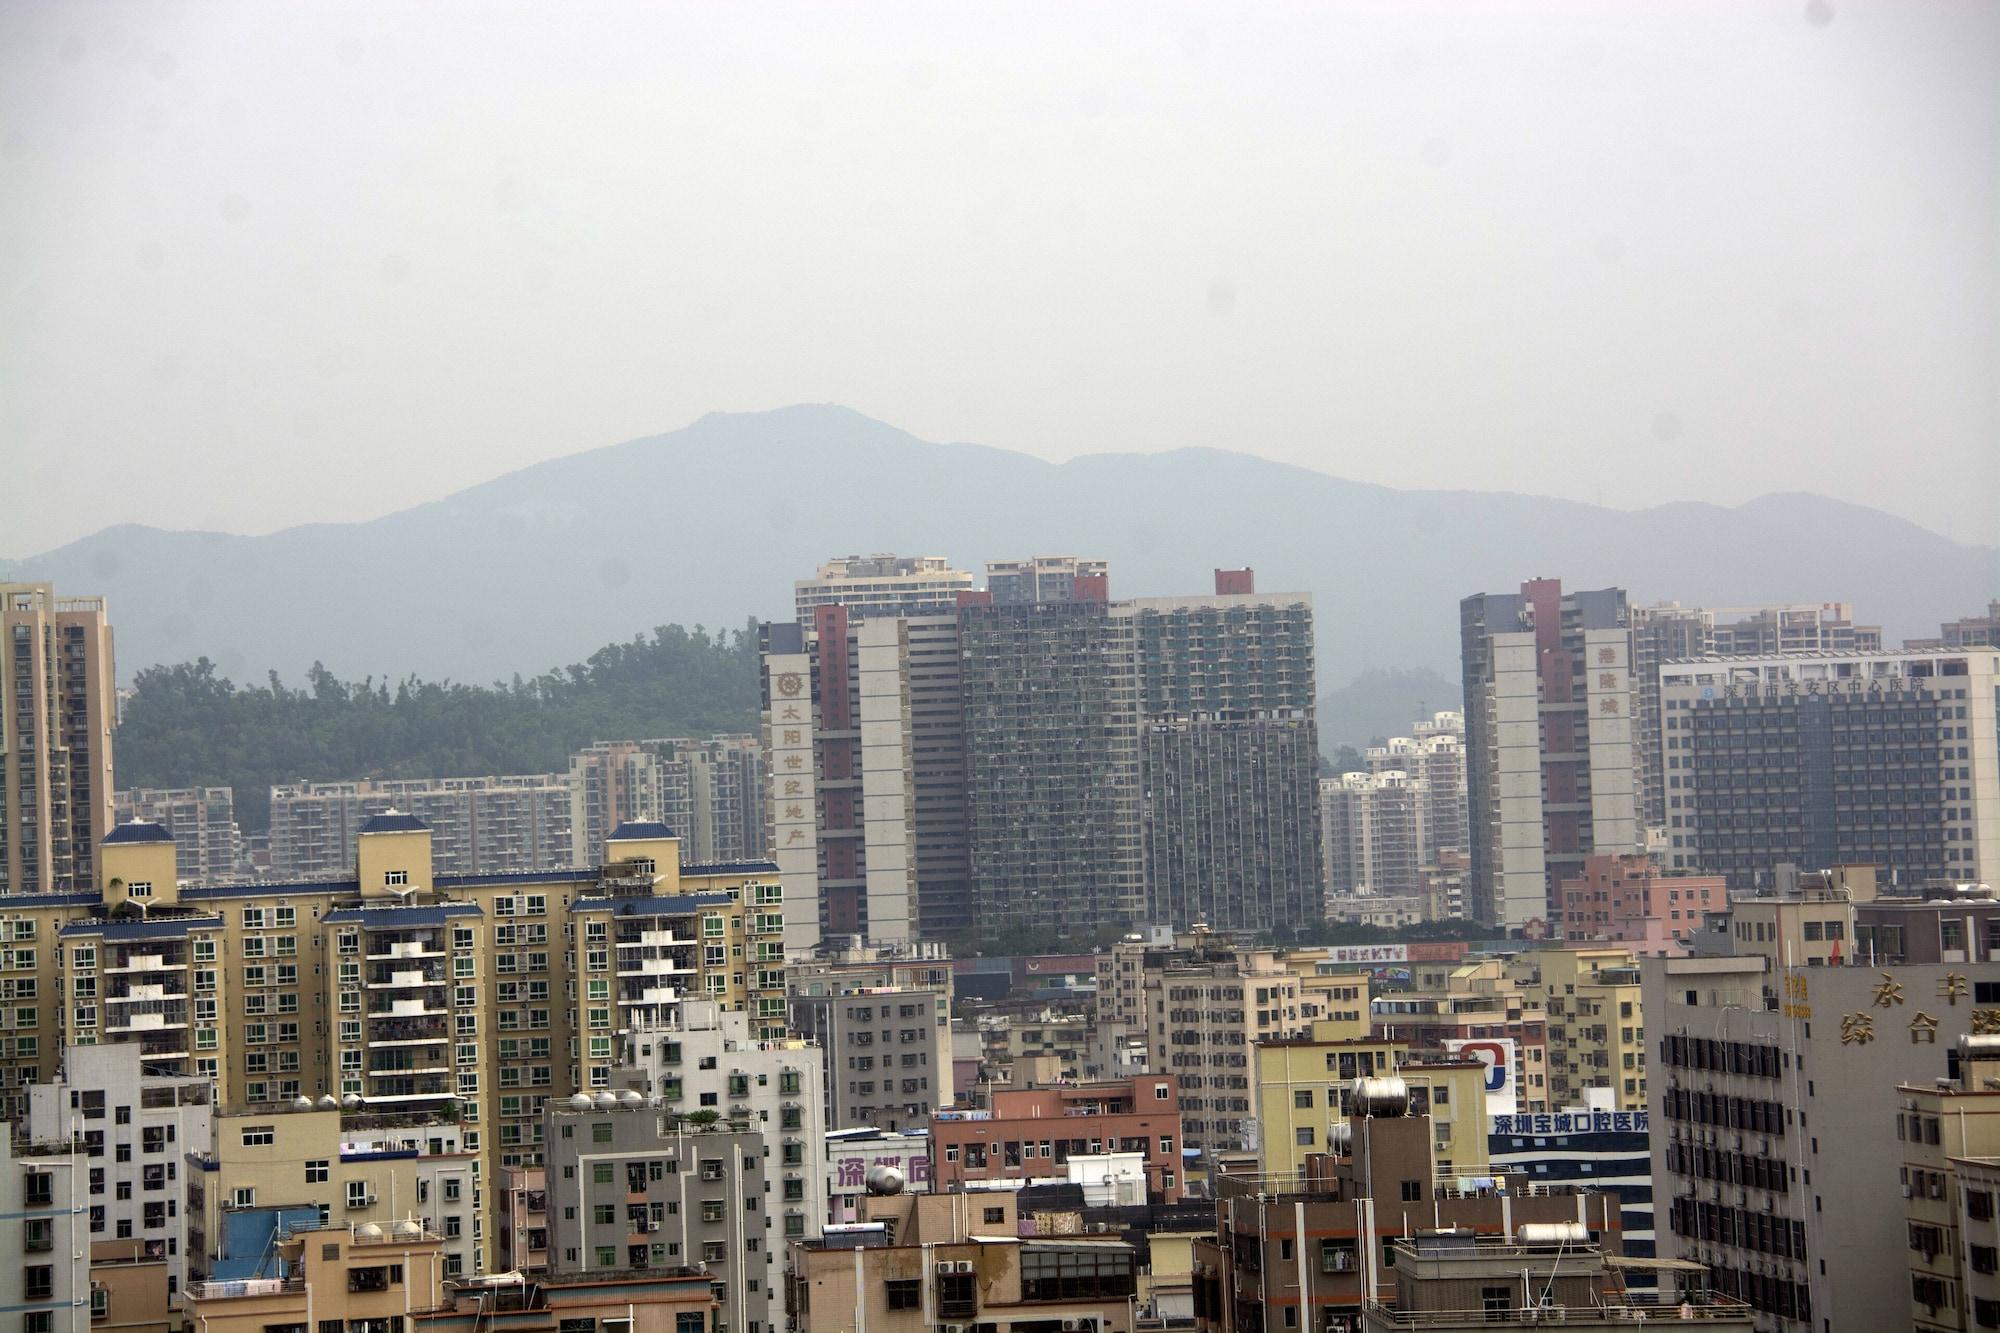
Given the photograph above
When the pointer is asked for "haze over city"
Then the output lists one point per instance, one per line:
(880, 668)
(267, 266)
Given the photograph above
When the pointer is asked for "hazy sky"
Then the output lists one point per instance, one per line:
(263, 264)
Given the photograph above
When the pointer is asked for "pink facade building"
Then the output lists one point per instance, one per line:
(1625, 899)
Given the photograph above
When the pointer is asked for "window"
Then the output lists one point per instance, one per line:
(317, 1171)
(140, 888)
(905, 1293)
(995, 1216)
(395, 879)
(258, 1136)
(357, 1194)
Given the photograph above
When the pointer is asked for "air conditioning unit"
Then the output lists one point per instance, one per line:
(945, 1267)
(962, 1266)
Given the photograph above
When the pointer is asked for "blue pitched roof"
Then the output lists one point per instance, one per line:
(376, 918)
(10, 901)
(640, 828)
(394, 821)
(138, 830)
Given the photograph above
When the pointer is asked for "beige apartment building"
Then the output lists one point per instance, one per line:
(917, 1263)
(1205, 1018)
(365, 1278)
(1936, 1123)
(60, 707)
(353, 1169)
(1596, 1029)
(1478, 999)
(410, 991)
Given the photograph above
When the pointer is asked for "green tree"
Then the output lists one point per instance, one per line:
(187, 725)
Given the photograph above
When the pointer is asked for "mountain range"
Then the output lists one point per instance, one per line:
(711, 523)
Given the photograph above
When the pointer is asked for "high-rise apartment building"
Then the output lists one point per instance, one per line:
(839, 752)
(710, 792)
(1669, 632)
(60, 706)
(1434, 755)
(1884, 758)
(1044, 578)
(479, 826)
(202, 823)
(1055, 806)
(1551, 760)
(1060, 766)
(1372, 834)
(1229, 757)
(882, 585)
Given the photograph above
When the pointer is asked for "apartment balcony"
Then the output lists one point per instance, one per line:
(653, 967)
(405, 978)
(391, 951)
(409, 1032)
(409, 1068)
(655, 939)
(150, 1021)
(419, 1007)
(649, 995)
(396, 1090)
(144, 962)
(154, 993)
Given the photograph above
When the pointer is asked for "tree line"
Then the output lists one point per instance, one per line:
(188, 725)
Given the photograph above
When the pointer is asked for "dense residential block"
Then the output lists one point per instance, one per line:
(208, 844)
(411, 993)
(634, 1187)
(484, 825)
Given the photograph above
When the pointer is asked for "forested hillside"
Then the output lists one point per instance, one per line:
(187, 724)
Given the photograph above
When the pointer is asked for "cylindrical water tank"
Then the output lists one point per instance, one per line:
(629, 1097)
(580, 1102)
(1380, 1097)
(883, 1179)
(1552, 1233)
(604, 1101)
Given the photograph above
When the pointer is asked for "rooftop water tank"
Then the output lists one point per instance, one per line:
(1381, 1097)
(1552, 1233)
(884, 1179)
